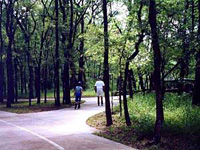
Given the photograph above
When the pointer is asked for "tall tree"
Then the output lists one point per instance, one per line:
(16, 76)
(57, 81)
(10, 33)
(67, 53)
(196, 93)
(43, 39)
(66, 47)
(157, 71)
(81, 58)
(106, 65)
(24, 26)
(1, 55)
(129, 59)
(75, 18)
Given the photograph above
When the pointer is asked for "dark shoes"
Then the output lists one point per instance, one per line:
(79, 106)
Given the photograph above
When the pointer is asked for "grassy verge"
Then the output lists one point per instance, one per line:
(23, 107)
(181, 129)
(89, 93)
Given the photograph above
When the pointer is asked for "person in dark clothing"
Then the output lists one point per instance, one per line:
(78, 93)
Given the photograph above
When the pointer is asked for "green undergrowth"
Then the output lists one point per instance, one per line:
(50, 94)
(181, 129)
(23, 107)
(86, 93)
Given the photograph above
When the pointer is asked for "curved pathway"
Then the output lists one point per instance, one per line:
(63, 129)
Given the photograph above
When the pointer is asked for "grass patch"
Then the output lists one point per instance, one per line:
(23, 107)
(181, 129)
(86, 93)
(89, 93)
(50, 94)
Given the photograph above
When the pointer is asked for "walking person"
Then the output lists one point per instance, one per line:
(99, 89)
(78, 94)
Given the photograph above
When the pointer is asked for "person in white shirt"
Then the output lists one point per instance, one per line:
(99, 89)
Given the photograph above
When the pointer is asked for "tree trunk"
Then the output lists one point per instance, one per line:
(25, 81)
(196, 93)
(10, 79)
(120, 87)
(27, 37)
(37, 84)
(73, 80)
(57, 81)
(21, 79)
(66, 96)
(157, 71)
(141, 82)
(30, 84)
(130, 84)
(4, 82)
(30, 69)
(131, 57)
(151, 83)
(66, 76)
(38, 71)
(1, 79)
(9, 62)
(16, 79)
(133, 79)
(126, 113)
(1, 55)
(45, 77)
(39, 64)
(106, 66)
(45, 84)
(81, 76)
(67, 53)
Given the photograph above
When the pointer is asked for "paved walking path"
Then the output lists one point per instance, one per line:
(63, 129)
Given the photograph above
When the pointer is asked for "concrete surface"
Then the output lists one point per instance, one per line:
(64, 129)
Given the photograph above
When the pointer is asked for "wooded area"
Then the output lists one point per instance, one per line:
(135, 45)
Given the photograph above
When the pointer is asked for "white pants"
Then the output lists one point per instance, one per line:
(99, 92)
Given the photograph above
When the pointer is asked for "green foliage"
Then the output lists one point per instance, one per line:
(89, 93)
(180, 130)
(180, 115)
(86, 93)
(50, 94)
(181, 119)
(142, 112)
(94, 43)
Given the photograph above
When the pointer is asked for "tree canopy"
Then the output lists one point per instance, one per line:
(48, 45)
